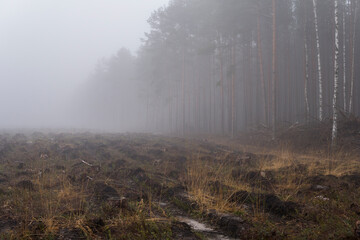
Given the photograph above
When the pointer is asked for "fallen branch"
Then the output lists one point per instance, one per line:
(86, 163)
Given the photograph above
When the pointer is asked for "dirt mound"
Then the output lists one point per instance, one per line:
(328, 182)
(104, 192)
(118, 163)
(139, 175)
(269, 202)
(253, 178)
(352, 178)
(183, 231)
(234, 225)
(68, 234)
(26, 185)
(7, 224)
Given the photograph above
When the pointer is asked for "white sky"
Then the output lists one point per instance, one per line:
(48, 47)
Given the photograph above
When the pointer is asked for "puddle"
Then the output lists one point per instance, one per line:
(163, 204)
(209, 232)
(197, 226)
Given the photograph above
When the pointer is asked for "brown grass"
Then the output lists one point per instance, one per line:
(284, 163)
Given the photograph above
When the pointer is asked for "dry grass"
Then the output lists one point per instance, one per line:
(201, 179)
(284, 163)
(45, 207)
(59, 202)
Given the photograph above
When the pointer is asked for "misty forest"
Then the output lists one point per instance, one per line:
(219, 119)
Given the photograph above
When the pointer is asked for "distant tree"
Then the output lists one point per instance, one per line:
(354, 19)
(274, 67)
(318, 60)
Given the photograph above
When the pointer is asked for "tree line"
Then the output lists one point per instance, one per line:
(220, 67)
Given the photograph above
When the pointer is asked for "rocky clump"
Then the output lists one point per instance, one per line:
(233, 225)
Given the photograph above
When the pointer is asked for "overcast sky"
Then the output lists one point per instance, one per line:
(48, 47)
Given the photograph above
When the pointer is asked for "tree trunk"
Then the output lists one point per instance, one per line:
(261, 68)
(273, 70)
(336, 75)
(353, 59)
(306, 68)
(232, 90)
(318, 61)
(222, 92)
(183, 94)
(306, 80)
(210, 95)
(344, 59)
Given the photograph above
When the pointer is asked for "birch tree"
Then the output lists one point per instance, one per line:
(336, 75)
(273, 43)
(318, 61)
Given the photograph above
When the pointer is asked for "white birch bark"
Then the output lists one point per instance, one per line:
(336, 75)
(318, 61)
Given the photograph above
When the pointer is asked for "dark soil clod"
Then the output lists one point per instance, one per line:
(26, 185)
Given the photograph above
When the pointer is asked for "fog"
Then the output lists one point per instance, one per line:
(49, 49)
(179, 66)
(120, 117)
